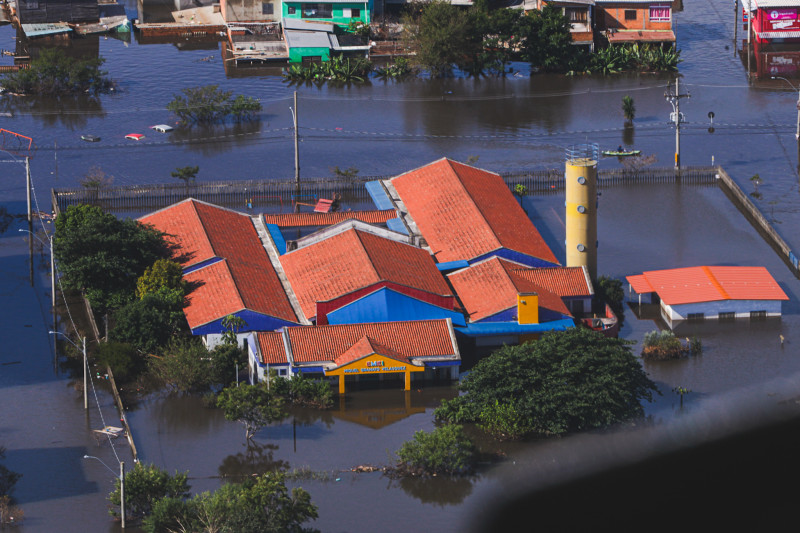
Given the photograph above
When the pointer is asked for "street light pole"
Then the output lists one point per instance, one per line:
(121, 484)
(85, 366)
(52, 267)
(797, 131)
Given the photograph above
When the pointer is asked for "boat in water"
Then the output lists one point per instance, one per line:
(621, 153)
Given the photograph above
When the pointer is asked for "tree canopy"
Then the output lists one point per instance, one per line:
(255, 406)
(258, 505)
(209, 104)
(54, 73)
(145, 485)
(103, 255)
(567, 381)
(445, 450)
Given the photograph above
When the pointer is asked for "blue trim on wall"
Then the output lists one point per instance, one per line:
(277, 237)
(517, 257)
(452, 265)
(311, 369)
(201, 264)
(378, 194)
(436, 364)
(255, 322)
(512, 328)
(387, 305)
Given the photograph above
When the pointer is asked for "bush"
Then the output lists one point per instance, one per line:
(54, 73)
(299, 390)
(125, 361)
(504, 421)
(185, 366)
(663, 345)
(209, 104)
(150, 323)
(445, 450)
(224, 359)
(144, 486)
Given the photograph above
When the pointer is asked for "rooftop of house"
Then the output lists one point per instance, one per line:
(223, 256)
(353, 259)
(491, 286)
(464, 212)
(295, 220)
(708, 283)
(563, 281)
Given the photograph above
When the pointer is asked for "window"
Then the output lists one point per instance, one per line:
(576, 15)
(758, 314)
(355, 13)
(727, 316)
(267, 8)
(291, 10)
(317, 11)
(696, 317)
(630, 14)
(659, 14)
(282, 372)
(33, 4)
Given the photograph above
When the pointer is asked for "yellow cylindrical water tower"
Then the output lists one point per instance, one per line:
(581, 206)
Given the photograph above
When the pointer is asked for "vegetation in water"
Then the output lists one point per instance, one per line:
(567, 381)
(54, 73)
(609, 291)
(628, 109)
(663, 345)
(444, 451)
(255, 406)
(209, 104)
(144, 486)
(612, 59)
(299, 390)
(340, 69)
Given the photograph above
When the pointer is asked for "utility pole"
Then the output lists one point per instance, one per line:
(296, 151)
(735, 26)
(676, 117)
(28, 186)
(85, 385)
(52, 275)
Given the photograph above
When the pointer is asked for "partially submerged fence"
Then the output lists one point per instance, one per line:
(258, 193)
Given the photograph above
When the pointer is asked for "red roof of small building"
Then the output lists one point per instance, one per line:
(414, 338)
(564, 281)
(366, 346)
(295, 220)
(245, 280)
(354, 259)
(491, 286)
(708, 283)
(270, 344)
(464, 212)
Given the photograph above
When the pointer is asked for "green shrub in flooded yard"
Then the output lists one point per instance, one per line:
(299, 390)
(445, 450)
(144, 486)
(504, 421)
(54, 73)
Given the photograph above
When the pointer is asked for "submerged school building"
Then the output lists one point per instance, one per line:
(710, 292)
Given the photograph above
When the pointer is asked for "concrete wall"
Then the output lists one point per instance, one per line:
(252, 11)
(711, 310)
(613, 16)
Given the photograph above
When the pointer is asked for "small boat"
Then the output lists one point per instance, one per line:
(134, 136)
(163, 128)
(621, 153)
(90, 138)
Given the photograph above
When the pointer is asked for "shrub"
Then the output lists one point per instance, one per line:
(503, 421)
(145, 485)
(54, 73)
(185, 366)
(445, 450)
(663, 345)
(299, 390)
(125, 361)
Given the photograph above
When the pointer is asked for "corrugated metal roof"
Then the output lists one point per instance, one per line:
(416, 338)
(464, 212)
(307, 39)
(491, 286)
(307, 25)
(293, 220)
(270, 344)
(378, 194)
(203, 231)
(354, 259)
(40, 29)
(563, 281)
(707, 284)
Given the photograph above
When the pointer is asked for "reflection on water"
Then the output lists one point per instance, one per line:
(256, 459)
(440, 491)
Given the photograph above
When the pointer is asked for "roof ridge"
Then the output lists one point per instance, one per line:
(472, 198)
(717, 285)
(369, 256)
(235, 282)
(193, 203)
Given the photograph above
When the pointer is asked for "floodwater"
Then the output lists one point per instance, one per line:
(385, 128)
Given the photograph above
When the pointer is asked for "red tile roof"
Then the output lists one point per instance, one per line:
(464, 212)
(354, 259)
(415, 338)
(270, 343)
(366, 346)
(564, 281)
(293, 220)
(247, 279)
(491, 286)
(707, 284)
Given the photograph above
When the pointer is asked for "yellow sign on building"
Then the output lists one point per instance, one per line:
(374, 364)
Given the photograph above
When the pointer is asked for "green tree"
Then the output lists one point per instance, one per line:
(231, 326)
(144, 486)
(151, 322)
(444, 37)
(7, 478)
(445, 450)
(628, 109)
(299, 390)
(224, 361)
(567, 381)
(258, 505)
(104, 256)
(54, 73)
(186, 366)
(186, 174)
(162, 276)
(253, 405)
(610, 291)
(209, 104)
(546, 41)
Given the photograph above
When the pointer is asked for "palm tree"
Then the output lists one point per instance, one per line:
(628, 109)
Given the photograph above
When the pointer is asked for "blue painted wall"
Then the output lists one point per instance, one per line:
(386, 305)
(510, 315)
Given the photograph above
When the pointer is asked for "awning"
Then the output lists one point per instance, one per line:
(640, 284)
